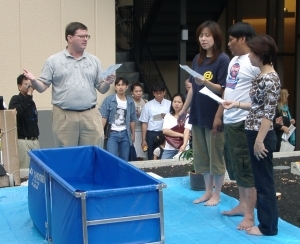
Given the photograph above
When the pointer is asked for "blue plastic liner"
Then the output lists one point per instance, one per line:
(113, 189)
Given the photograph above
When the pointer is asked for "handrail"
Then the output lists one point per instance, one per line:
(150, 71)
(145, 12)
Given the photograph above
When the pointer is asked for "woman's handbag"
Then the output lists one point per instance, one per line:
(175, 142)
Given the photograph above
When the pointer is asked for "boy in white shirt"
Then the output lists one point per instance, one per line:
(152, 116)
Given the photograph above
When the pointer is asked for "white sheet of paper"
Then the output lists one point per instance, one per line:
(157, 117)
(209, 93)
(287, 136)
(285, 146)
(191, 72)
(110, 70)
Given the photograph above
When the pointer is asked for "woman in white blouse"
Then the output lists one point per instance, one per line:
(170, 121)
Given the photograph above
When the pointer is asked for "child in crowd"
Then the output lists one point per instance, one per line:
(161, 142)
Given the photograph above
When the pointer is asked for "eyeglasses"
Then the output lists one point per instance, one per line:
(83, 36)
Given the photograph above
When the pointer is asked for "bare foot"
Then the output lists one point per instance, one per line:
(237, 211)
(254, 231)
(213, 201)
(246, 224)
(204, 198)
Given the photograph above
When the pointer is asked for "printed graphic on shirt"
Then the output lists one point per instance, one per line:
(232, 78)
(120, 117)
(208, 75)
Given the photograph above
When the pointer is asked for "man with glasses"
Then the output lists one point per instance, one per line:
(75, 75)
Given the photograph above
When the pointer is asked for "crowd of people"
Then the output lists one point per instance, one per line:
(238, 135)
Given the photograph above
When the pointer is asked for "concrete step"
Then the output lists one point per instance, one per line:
(130, 76)
(122, 56)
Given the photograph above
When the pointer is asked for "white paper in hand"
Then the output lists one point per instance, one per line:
(191, 72)
(287, 136)
(157, 117)
(209, 93)
(110, 70)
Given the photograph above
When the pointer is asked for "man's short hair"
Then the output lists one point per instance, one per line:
(241, 29)
(125, 81)
(158, 86)
(73, 27)
(20, 79)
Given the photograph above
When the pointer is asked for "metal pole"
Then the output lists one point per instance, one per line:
(297, 72)
(182, 45)
(84, 217)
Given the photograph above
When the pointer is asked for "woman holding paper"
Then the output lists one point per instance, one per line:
(208, 141)
(283, 120)
(261, 137)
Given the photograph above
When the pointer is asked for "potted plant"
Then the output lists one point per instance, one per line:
(196, 179)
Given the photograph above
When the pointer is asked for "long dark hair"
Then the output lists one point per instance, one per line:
(216, 33)
(172, 111)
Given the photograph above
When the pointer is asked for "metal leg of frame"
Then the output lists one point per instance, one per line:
(161, 209)
(48, 197)
(84, 217)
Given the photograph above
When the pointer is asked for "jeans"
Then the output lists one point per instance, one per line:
(168, 154)
(118, 144)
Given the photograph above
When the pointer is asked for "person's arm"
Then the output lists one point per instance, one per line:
(132, 128)
(172, 133)
(133, 118)
(218, 120)
(259, 147)
(105, 85)
(271, 96)
(104, 120)
(293, 121)
(278, 123)
(186, 137)
(22, 106)
(185, 107)
(37, 84)
(156, 153)
(285, 129)
(144, 132)
(215, 88)
(228, 104)
(188, 100)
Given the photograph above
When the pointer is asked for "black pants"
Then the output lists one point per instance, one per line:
(151, 141)
(267, 210)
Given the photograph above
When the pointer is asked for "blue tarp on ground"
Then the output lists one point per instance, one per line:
(185, 222)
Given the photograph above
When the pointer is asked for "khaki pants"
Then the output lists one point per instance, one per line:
(23, 147)
(71, 128)
(208, 151)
